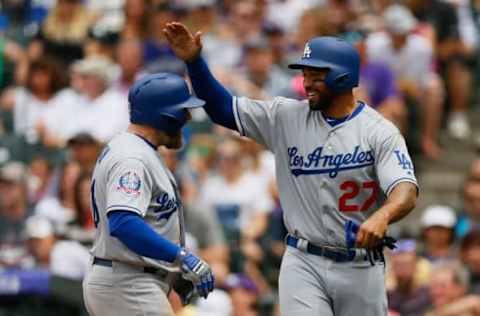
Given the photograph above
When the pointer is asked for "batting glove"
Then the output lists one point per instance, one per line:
(197, 271)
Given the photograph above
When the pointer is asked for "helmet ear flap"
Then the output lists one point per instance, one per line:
(340, 82)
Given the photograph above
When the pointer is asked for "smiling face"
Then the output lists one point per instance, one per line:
(319, 96)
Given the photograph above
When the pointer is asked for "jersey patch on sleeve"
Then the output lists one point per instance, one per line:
(404, 161)
(130, 183)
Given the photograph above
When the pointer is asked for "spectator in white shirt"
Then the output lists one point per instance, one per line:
(63, 258)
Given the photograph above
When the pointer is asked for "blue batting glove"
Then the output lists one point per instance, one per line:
(197, 271)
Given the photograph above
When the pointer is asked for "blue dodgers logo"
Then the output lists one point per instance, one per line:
(316, 163)
(403, 161)
(130, 183)
(166, 206)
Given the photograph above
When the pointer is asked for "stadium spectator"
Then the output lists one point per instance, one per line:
(378, 86)
(63, 32)
(470, 255)
(440, 25)
(243, 294)
(43, 90)
(157, 54)
(84, 150)
(469, 217)
(409, 293)
(129, 57)
(260, 70)
(63, 258)
(410, 56)
(438, 222)
(14, 210)
(104, 111)
(448, 289)
(82, 228)
(136, 17)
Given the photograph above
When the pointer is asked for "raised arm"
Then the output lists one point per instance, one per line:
(219, 102)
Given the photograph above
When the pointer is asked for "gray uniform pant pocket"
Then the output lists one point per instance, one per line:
(107, 293)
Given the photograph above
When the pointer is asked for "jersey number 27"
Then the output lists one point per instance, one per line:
(352, 189)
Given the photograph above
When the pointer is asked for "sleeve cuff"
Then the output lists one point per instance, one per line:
(400, 180)
(236, 114)
(124, 208)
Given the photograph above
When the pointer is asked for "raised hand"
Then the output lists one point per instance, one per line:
(197, 271)
(183, 43)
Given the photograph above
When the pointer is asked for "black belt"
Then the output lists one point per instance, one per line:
(109, 263)
(337, 256)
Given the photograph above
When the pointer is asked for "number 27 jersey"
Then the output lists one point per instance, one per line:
(327, 173)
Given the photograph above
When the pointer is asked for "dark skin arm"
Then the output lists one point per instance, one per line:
(400, 203)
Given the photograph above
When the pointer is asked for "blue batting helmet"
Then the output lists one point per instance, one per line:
(159, 100)
(332, 53)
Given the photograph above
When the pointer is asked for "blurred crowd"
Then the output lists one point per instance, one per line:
(65, 70)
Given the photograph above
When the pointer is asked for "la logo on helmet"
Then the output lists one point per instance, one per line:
(307, 51)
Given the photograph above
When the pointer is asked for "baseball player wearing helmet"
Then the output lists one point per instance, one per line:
(343, 172)
(138, 254)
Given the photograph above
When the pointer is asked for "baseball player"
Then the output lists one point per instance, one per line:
(341, 169)
(138, 252)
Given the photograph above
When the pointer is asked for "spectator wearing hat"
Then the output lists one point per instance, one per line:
(438, 223)
(410, 56)
(243, 293)
(63, 258)
(100, 111)
(14, 210)
(470, 255)
(408, 277)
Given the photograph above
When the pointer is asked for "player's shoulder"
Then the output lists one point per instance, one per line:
(126, 147)
(376, 123)
(278, 101)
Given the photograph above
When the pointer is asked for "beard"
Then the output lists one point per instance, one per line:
(175, 140)
(323, 102)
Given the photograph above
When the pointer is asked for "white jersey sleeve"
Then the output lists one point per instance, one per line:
(393, 162)
(256, 119)
(129, 187)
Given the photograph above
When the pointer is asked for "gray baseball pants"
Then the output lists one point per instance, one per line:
(125, 290)
(311, 285)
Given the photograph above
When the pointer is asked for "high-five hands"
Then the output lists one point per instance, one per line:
(183, 43)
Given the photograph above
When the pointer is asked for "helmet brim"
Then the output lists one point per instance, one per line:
(302, 63)
(192, 102)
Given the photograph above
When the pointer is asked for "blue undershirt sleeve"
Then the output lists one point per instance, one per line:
(133, 232)
(219, 102)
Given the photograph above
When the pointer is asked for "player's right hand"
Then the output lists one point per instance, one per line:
(183, 43)
(198, 271)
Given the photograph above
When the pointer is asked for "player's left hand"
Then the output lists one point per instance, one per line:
(372, 231)
(197, 271)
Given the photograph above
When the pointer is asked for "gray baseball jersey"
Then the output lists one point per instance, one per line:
(130, 175)
(326, 174)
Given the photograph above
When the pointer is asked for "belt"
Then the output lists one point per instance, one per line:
(337, 256)
(109, 263)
